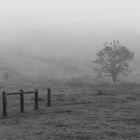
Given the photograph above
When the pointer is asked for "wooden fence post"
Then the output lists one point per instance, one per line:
(4, 96)
(49, 97)
(21, 101)
(36, 99)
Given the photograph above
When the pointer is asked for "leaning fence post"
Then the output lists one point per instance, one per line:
(36, 99)
(4, 96)
(49, 97)
(21, 101)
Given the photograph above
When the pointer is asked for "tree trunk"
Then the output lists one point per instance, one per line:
(114, 77)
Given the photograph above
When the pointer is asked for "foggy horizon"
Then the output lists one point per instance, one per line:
(68, 25)
(44, 34)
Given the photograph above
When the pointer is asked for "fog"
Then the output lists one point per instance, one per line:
(37, 36)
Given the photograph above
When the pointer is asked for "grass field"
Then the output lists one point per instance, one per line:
(77, 113)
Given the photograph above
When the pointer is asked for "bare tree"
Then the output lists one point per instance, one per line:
(112, 60)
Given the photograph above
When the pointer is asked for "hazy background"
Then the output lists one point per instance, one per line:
(59, 38)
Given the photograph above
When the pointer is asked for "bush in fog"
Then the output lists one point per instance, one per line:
(6, 76)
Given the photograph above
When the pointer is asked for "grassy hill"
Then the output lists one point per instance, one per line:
(76, 113)
(34, 66)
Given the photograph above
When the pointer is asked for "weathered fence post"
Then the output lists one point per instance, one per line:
(21, 101)
(36, 99)
(49, 97)
(4, 96)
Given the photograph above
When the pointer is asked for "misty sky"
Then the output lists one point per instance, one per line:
(69, 26)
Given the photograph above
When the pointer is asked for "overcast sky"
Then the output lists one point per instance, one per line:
(71, 21)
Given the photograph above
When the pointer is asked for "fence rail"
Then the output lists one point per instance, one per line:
(13, 93)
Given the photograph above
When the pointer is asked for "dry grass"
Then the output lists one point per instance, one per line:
(76, 114)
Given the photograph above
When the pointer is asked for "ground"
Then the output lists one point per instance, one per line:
(77, 113)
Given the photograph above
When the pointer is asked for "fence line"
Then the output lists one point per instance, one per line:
(22, 93)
